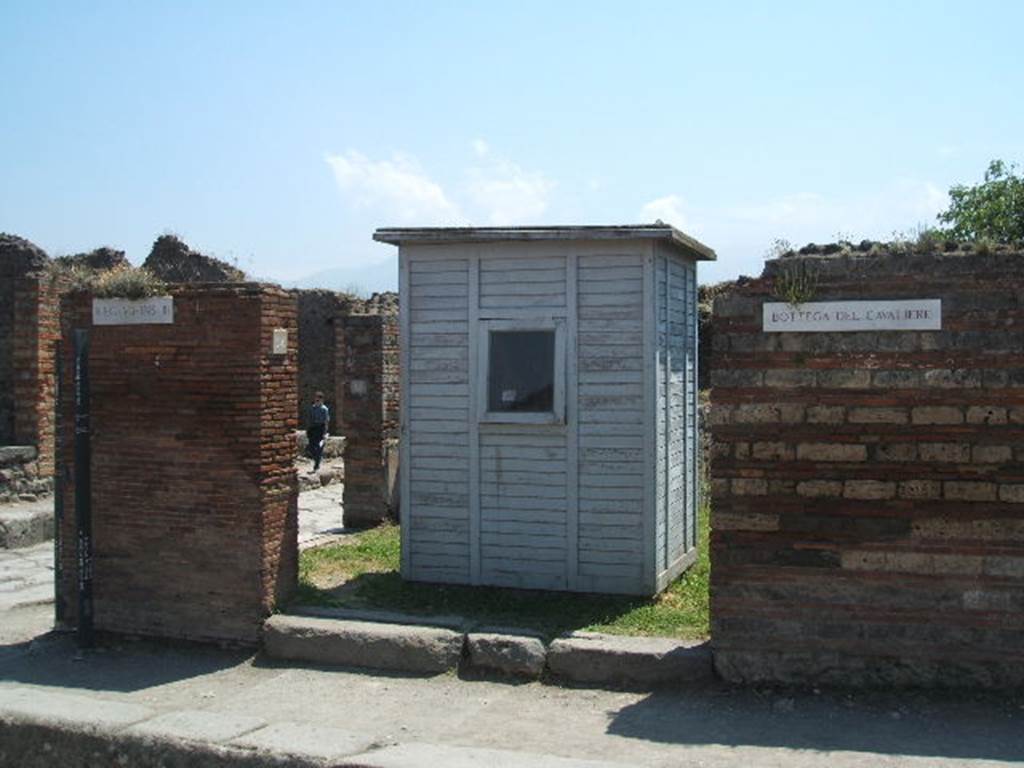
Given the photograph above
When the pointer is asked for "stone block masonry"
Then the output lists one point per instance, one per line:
(194, 492)
(868, 513)
(368, 391)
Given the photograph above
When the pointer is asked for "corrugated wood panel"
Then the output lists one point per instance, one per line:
(437, 410)
(611, 422)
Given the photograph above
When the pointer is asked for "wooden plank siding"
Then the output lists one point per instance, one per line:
(611, 421)
(523, 470)
(600, 498)
(676, 429)
(438, 532)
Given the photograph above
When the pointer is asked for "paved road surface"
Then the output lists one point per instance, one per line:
(712, 726)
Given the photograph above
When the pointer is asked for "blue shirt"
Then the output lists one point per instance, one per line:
(319, 416)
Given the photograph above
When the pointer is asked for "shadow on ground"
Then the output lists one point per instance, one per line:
(115, 664)
(548, 613)
(914, 723)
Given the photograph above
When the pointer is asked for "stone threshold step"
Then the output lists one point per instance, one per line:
(416, 645)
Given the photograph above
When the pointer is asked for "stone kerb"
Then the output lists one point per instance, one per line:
(868, 487)
(194, 488)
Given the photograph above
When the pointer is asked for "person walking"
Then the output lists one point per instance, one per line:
(316, 432)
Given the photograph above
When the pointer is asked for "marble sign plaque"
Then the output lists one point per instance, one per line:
(154, 310)
(840, 316)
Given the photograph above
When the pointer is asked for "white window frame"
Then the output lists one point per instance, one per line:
(557, 413)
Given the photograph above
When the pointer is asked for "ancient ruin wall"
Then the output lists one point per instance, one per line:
(173, 261)
(28, 334)
(21, 265)
(194, 492)
(319, 315)
(367, 389)
(868, 487)
(7, 371)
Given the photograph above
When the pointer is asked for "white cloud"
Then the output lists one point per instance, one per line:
(504, 193)
(396, 188)
(742, 234)
(668, 209)
(494, 191)
(800, 207)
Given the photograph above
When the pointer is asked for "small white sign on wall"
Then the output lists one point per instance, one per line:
(279, 343)
(819, 316)
(154, 310)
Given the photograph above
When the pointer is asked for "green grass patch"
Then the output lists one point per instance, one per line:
(364, 574)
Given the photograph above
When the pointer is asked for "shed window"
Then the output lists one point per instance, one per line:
(521, 375)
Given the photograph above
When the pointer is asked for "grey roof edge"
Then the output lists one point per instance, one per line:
(441, 235)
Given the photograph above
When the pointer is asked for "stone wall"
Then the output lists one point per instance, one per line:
(868, 487)
(20, 264)
(367, 355)
(20, 474)
(194, 492)
(28, 335)
(173, 261)
(319, 369)
(7, 372)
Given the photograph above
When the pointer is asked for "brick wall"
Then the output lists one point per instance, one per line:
(317, 313)
(367, 354)
(194, 491)
(29, 328)
(868, 488)
(28, 319)
(7, 291)
(319, 366)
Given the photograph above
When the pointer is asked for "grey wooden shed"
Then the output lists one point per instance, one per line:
(549, 405)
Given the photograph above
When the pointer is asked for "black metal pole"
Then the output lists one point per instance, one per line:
(83, 489)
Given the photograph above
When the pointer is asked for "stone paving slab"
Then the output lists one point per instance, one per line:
(199, 725)
(320, 516)
(26, 576)
(65, 708)
(409, 755)
(305, 740)
(712, 726)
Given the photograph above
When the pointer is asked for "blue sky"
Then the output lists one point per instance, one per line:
(281, 135)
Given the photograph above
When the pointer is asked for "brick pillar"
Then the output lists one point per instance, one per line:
(194, 489)
(28, 333)
(36, 331)
(368, 393)
(868, 486)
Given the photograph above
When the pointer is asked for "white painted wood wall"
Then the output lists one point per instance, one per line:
(605, 501)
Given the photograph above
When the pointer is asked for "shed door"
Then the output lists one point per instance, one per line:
(522, 450)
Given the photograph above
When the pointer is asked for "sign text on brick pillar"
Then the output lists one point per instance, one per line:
(824, 316)
(154, 310)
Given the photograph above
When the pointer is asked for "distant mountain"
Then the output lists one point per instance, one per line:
(363, 279)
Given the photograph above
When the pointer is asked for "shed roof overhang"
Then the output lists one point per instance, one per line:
(442, 235)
